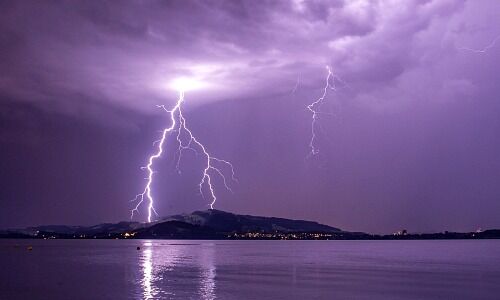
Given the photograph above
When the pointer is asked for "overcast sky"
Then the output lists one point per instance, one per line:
(410, 140)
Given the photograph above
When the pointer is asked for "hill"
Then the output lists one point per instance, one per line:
(222, 221)
(208, 224)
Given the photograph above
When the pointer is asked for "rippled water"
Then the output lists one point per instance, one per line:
(167, 269)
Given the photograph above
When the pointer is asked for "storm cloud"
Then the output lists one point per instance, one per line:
(409, 140)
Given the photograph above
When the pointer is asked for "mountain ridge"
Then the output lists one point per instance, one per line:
(212, 223)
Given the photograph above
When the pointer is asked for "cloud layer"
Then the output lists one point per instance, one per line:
(127, 54)
(412, 127)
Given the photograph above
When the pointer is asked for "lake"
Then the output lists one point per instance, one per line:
(180, 269)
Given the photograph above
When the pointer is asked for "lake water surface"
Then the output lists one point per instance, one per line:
(170, 269)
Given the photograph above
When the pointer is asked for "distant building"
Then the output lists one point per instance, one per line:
(401, 232)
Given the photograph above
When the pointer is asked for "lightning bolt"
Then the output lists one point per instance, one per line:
(186, 141)
(314, 107)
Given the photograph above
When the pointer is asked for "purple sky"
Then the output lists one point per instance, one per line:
(412, 142)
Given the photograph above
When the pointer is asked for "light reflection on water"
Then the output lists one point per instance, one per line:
(162, 263)
(147, 266)
(207, 284)
(169, 269)
(303, 270)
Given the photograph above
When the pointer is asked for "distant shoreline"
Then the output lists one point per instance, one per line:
(304, 236)
(220, 225)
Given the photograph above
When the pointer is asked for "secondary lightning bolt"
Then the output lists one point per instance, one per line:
(210, 165)
(211, 161)
(315, 106)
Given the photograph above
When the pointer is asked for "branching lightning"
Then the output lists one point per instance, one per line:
(186, 141)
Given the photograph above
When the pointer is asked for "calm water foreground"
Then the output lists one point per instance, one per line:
(168, 269)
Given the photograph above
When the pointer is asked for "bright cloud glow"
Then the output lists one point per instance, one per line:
(184, 84)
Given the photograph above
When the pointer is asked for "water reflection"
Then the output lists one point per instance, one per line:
(207, 282)
(147, 266)
(172, 270)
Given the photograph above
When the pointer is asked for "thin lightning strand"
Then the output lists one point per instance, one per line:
(483, 50)
(206, 179)
(296, 86)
